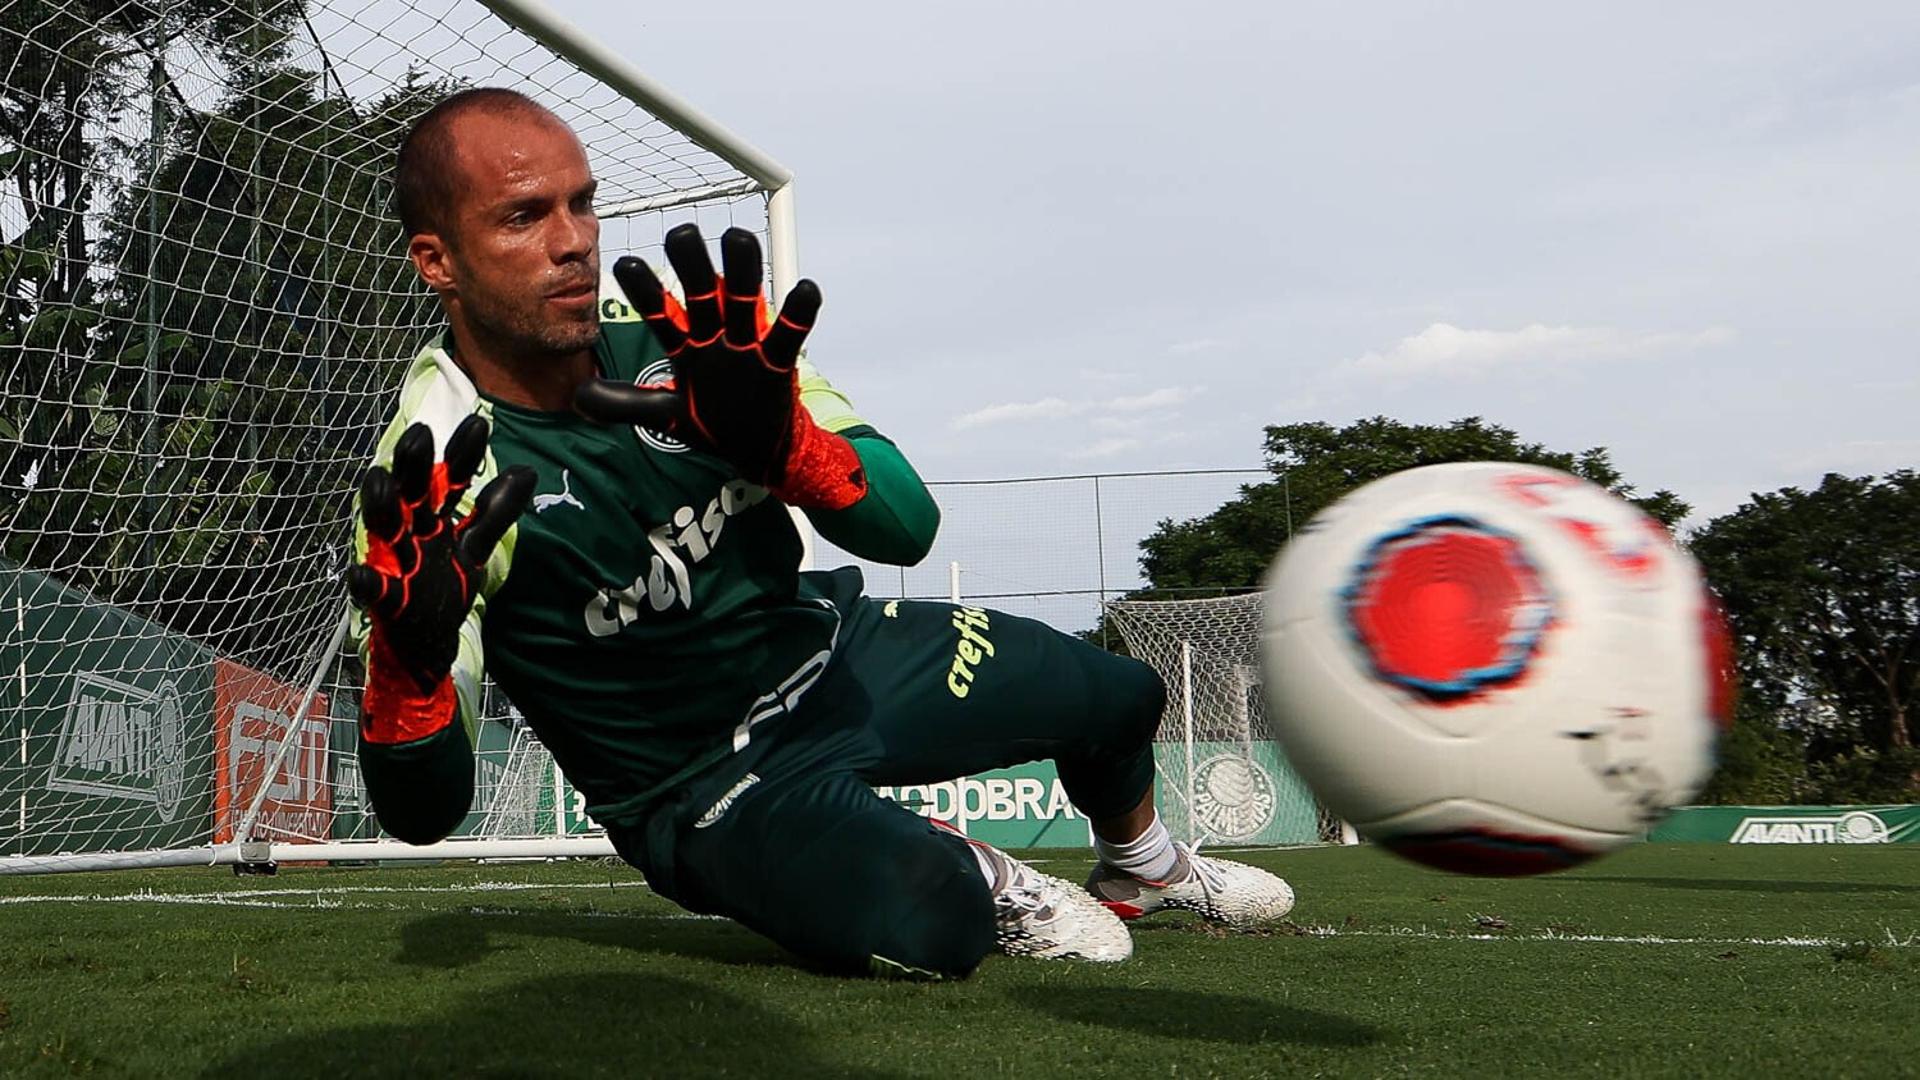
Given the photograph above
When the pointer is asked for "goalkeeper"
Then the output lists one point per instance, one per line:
(628, 573)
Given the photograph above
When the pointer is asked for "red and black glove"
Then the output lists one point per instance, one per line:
(734, 389)
(424, 567)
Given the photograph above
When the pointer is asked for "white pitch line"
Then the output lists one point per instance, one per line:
(318, 902)
(232, 897)
(324, 899)
(1892, 940)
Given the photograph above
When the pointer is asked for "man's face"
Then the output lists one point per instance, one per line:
(521, 242)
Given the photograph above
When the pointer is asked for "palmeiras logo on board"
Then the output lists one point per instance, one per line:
(1233, 797)
(122, 740)
(657, 372)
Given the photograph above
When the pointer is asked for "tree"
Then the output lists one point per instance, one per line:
(1822, 589)
(1314, 464)
(191, 320)
(74, 72)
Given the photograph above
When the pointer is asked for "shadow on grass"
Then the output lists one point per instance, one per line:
(1187, 1014)
(601, 1024)
(457, 939)
(1766, 885)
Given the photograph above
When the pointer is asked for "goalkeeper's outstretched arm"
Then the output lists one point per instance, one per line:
(896, 520)
(743, 389)
(425, 551)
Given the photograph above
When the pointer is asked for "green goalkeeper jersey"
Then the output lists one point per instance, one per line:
(647, 612)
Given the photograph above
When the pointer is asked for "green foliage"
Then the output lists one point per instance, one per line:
(1314, 464)
(1864, 775)
(1822, 589)
(1761, 763)
(188, 321)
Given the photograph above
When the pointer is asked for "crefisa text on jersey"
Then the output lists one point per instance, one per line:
(686, 538)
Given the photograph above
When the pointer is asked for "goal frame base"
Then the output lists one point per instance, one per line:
(262, 854)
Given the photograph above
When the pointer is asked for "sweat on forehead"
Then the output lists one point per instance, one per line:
(424, 171)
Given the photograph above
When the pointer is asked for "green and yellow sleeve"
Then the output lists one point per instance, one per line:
(897, 519)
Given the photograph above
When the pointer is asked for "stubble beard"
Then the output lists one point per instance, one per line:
(525, 332)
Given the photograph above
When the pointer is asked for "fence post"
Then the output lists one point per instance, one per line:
(1286, 493)
(1100, 557)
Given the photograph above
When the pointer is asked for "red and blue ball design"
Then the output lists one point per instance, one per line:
(1447, 608)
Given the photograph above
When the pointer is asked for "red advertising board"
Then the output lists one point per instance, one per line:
(251, 716)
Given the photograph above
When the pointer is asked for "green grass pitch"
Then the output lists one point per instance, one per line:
(1661, 961)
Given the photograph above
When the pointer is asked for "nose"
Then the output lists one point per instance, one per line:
(575, 237)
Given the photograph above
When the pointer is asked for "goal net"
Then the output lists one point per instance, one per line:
(1223, 780)
(205, 312)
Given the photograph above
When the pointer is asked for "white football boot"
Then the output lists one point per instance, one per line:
(1035, 914)
(1217, 890)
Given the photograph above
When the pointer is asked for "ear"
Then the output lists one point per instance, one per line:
(432, 260)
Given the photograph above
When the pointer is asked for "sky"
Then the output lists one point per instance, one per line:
(1063, 237)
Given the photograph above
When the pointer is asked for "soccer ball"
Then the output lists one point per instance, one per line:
(1494, 668)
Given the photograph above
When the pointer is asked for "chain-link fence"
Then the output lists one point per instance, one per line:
(1051, 548)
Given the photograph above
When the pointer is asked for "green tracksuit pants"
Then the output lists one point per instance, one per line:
(787, 837)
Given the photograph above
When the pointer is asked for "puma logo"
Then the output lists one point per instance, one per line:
(543, 503)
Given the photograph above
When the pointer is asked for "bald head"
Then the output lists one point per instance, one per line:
(426, 172)
(496, 195)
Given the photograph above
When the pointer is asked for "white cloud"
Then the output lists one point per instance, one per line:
(1205, 344)
(1054, 408)
(1043, 409)
(1164, 398)
(1445, 350)
(1298, 405)
(1104, 448)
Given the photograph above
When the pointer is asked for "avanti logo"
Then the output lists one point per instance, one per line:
(122, 740)
(1853, 827)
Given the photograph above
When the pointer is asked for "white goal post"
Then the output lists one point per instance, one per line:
(1222, 777)
(204, 316)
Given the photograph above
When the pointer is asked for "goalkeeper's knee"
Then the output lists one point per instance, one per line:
(939, 926)
(1136, 697)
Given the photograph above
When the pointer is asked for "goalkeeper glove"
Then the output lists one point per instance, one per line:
(424, 567)
(734, 388)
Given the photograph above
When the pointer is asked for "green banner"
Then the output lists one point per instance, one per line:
(352, 813)
(1241, 793)
(108, 725)
(1790, 825)
(1025, 806)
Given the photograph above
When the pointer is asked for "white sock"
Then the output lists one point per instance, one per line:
(990, 867)
(1149, 855)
